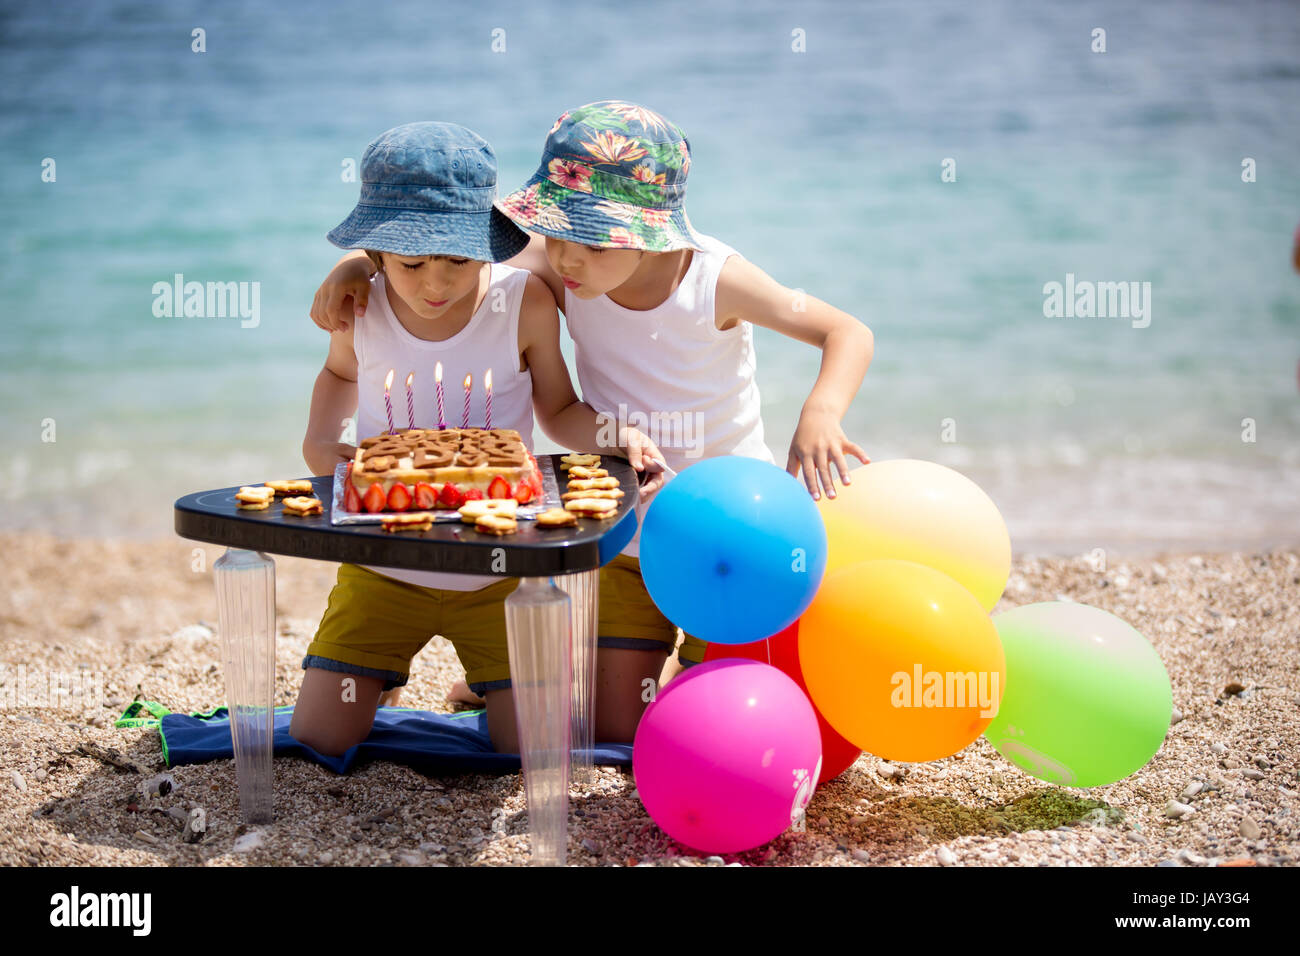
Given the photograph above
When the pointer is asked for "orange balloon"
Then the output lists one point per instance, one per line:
(901, 660)
(912, 510)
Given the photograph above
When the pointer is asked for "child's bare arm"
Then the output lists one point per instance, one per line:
(533, 258)
(748, 294)
(333, 399)
(344, 293)
(565, 419)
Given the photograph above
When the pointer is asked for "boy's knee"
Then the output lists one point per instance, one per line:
(324, 740)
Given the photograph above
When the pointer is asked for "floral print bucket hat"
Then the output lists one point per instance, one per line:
(612, 175)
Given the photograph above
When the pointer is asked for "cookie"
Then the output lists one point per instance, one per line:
(254, 497)
(471, 511)
(496, 524)
(411, 521)
(592, 484)
(587, 461)
(303, 506)
(613, 494)
(296, 486)
(592, 507)
(582, 471)
(556, 518)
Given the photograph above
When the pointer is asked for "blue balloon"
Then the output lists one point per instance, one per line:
(733, 550)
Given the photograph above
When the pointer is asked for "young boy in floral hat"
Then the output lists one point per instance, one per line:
(441, 295)
(662, 322)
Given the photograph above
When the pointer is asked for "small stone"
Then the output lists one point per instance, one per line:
(1191, 790)
(861, 855)
(1168, 863)
(1233, 689)
(1177, 810)
(946, 856)
(158, 785)
(1252, 775)
(41, 774)
(1249, 828)
(1187, 856)
(1175, 717)
(1262, 763)
(325, 858)
(591, 846)
(18, 781)
(248, 842)
(1218, 748)
(411, 858)
(715, 859)
(1231, 764)
(823, 821)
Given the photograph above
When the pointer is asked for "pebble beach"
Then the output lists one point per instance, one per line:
(138, 617)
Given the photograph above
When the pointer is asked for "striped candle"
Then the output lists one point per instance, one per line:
(487, 382)
(388, 401)
(410, 401)
(437, 377)
(464, 418)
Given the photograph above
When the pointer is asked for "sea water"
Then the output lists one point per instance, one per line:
(930, 169)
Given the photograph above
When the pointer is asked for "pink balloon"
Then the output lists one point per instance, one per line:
(727, 756)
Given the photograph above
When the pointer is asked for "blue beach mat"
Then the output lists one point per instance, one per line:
(430, 743)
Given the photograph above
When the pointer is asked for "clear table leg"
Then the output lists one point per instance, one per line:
(538, 632)
(245, 583)
(583, 589)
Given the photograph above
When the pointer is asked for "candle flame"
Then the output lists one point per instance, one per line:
(468, 380)
(437, 373)
(388, 382)
(410, 379)
(488, 380)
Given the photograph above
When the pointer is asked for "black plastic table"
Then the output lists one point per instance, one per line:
(558, 571)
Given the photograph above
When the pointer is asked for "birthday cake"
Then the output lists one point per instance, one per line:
(427, 468)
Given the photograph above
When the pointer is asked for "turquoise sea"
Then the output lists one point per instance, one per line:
(825, 167)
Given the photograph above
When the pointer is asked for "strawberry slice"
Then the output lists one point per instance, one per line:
(474, 494)
(399, 497)
(524, 491)
(426, 499)
(451, 496)
(351, 498)
(375, 499)
(500, 488)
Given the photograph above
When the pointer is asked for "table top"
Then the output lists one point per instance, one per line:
(449, 546)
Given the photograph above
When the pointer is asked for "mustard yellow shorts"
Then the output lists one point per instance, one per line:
(374, 625)
(629, 618)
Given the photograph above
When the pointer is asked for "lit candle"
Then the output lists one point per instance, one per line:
(437, 375)
(464, 418)
(388, 402)
(488, 384)
(410, 401)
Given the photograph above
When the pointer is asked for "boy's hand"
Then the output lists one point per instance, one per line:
(643, 455)
(818, 441)
(343, 295)
(322, 456)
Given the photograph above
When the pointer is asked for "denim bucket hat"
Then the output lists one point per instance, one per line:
(613, 175)
(428, 189)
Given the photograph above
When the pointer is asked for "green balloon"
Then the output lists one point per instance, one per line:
(1087, 699)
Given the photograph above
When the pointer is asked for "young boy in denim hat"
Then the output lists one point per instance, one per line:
(662, 321)
(441, 294)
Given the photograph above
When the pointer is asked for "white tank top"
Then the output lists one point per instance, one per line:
(669, 371)
(489, 341)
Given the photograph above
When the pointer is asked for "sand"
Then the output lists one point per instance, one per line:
(138, 618)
